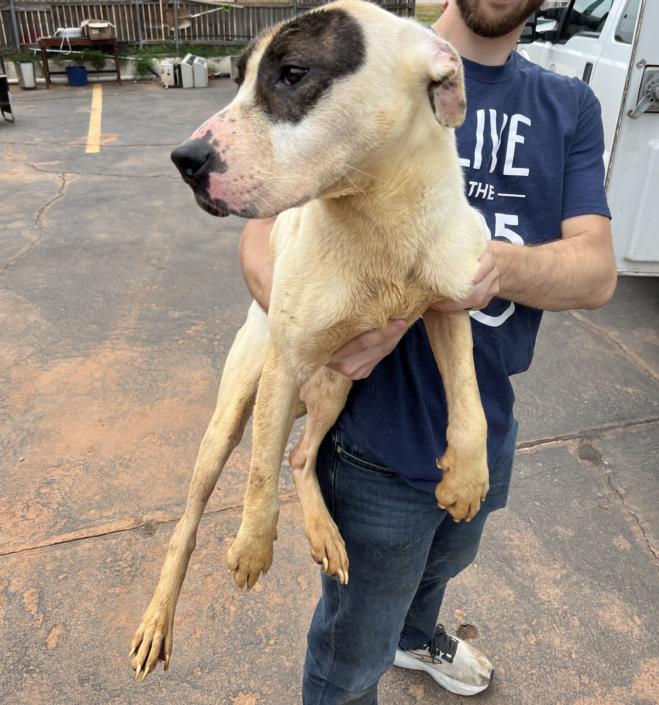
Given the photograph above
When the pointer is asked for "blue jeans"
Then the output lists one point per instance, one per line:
(403, 550)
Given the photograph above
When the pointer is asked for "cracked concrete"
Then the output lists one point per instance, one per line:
(16, 176)
(632, 357)
(151, 523)
(103, 174)
(588, 452)
(113, 332)
(38, 220)
(582, 433)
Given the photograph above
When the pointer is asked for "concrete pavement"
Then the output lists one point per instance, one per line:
(119, 299)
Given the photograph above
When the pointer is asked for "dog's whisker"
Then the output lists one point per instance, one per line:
(359, 171)
(263, 200)
(271, 176)
(351, 182)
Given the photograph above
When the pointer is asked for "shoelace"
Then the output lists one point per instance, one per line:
(442, 645)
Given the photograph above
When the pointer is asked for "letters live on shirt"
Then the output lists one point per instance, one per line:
(531, 149)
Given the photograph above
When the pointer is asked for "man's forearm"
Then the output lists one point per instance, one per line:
(578, 272)
(255, 259)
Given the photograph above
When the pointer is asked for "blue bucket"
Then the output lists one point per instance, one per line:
(77, 75)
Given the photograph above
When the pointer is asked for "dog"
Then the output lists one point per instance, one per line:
(342, 127)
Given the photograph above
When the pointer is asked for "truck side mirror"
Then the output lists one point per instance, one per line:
(546, 29)
(528, 31)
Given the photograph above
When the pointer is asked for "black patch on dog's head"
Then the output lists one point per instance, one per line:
(243, 58)
(330, 44)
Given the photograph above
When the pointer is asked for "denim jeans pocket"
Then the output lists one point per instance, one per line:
(501, 470)
(351, 458)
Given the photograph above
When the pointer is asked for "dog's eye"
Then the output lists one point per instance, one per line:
(290, 75)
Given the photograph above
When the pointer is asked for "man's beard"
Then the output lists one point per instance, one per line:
(483, 25)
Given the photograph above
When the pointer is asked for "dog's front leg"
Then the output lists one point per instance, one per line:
(465, 480)
(251, 552)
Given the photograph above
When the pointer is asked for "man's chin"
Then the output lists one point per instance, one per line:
(496, 18)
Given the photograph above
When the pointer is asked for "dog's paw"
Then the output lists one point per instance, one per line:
(464, 484)
(249, 556)
(154, 637)
(327, 547)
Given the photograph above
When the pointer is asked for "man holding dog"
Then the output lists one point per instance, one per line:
(531, 148)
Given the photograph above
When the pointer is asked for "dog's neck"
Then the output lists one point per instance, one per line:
(403, 187)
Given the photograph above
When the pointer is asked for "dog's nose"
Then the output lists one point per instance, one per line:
(191, 158)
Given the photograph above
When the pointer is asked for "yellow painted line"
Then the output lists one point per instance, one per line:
(94, 134)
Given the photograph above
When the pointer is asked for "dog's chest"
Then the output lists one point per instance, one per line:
(379, 298)
(320, 316)
(329, 287)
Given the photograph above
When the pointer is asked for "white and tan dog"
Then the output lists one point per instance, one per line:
(343, 126)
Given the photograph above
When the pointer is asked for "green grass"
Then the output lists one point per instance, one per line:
(157, 50)
(427, 13)
(20, 56)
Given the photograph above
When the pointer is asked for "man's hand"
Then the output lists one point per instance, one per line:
(486, 285)
(576, 271)
(255, 259)
(359, 356)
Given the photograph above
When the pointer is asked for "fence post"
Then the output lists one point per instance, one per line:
(14, 22)
(138, 22)
(176, 23)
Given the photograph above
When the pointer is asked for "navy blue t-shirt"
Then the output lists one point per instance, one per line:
(531, 149)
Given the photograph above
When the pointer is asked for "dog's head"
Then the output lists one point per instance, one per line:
(322, 98)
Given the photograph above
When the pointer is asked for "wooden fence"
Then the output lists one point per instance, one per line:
(152, 21)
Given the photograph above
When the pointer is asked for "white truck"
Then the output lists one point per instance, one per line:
(614, 46)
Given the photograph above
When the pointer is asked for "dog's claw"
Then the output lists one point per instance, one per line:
(137, 672)
(327, 547)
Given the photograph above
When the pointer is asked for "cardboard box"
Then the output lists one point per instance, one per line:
(97, 29)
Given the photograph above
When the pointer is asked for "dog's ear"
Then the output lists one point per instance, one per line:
(446, 90)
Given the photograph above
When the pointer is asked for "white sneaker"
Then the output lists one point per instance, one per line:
(452, 662)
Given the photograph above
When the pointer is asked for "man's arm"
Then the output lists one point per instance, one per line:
(255, 259)
(577, 271)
